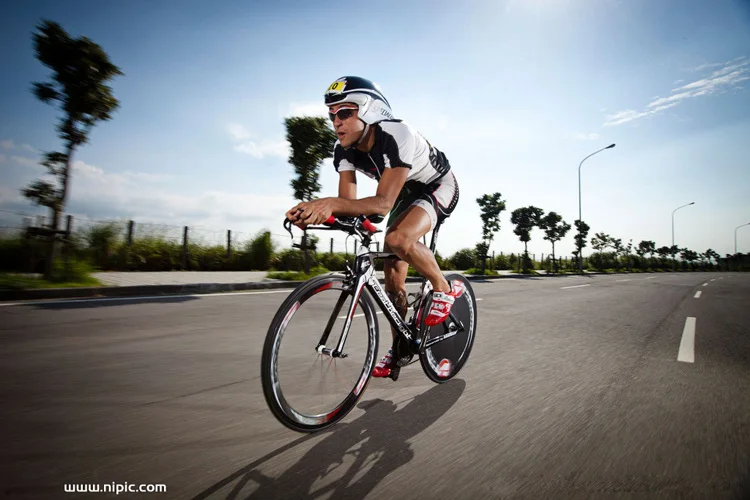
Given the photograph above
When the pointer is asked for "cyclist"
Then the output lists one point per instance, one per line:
(415, 184)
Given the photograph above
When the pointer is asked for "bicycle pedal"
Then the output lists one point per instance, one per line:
(394, 373)
(403, 361)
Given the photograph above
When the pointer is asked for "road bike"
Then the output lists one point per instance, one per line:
(442, 350)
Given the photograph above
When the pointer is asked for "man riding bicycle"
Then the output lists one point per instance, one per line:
(415, 184)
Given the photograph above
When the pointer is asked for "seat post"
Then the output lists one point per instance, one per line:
(433, 241)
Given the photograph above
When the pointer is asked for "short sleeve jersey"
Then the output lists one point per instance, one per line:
(396, 145)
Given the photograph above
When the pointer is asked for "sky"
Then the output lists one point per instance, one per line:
(515, 93)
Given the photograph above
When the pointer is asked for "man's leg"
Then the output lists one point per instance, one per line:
(403, 240)
(395, 284)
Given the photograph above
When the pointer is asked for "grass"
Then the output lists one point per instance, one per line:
(296, 275)
(11, 281)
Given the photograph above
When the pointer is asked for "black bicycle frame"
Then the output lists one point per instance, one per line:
(364, 274)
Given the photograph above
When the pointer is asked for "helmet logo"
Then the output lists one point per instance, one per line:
(336, 87)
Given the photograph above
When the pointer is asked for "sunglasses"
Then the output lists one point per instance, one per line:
(342, 113)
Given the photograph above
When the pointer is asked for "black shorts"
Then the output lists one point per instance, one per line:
(438, 199)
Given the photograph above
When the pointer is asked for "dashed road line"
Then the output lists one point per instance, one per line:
(697, 294)
(623, 280)
(687, 344)
(705, 284)
(574, 286)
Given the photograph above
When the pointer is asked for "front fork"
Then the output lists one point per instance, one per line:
(338, 351)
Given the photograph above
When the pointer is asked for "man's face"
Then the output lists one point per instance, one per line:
(346, 124)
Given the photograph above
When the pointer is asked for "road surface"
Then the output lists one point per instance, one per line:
(577, 387)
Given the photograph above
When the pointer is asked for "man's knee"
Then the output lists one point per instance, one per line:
(399, 241)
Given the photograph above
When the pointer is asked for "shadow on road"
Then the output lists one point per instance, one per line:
(109, 302)
(352, 459)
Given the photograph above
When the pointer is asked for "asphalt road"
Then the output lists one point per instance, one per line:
(573, 390)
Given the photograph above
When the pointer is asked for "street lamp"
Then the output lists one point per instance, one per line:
(735, 236)
(674, 260)
(580, 242)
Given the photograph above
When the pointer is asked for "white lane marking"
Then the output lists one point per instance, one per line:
(479, 300)
(687, 344)
(705, 284)
(574, 286)
(148, 297)
(651, 277)
(622, 280)
(697, 294)
(721, 278)
(713, 279)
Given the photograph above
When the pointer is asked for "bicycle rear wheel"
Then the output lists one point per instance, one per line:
(444, 359)
(305, 389)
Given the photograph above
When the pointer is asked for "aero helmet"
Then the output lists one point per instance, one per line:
(373, 106)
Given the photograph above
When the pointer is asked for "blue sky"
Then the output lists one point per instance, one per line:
(515, 93)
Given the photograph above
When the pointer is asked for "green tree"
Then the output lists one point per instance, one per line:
(582, 232)
(712, 254)
(616, 245)
(600, 241)
(491, 205)
(646, 247)
(555, 229)
(311, 140)
(81, 70)
(526, 219)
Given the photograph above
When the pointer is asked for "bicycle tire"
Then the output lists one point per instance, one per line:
(465, 309)
(275, 399)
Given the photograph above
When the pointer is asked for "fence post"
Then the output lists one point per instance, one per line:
(128, 259)
(331, 251)
(184, 248)
(229, 243)
(67, 243)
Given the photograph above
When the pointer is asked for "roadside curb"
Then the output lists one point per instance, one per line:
(205, 288)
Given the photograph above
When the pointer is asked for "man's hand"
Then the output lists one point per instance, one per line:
(309, 213)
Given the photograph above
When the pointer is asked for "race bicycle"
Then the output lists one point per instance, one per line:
(313, 312)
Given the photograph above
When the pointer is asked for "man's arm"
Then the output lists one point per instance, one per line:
(348, 185)
(389, 187)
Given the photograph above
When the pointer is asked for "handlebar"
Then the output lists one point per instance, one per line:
(361, 225)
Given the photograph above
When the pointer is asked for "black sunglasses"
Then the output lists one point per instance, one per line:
(342, 113)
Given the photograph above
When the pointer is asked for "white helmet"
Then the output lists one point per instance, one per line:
(373, 106)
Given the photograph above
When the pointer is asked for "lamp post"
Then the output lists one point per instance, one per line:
(580, 242)
(674, 260)
(735, 236)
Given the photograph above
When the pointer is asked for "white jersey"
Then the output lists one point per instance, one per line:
(396, 145)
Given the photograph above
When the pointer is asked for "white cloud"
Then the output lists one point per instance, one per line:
(255, 148)
(587, 137)
(142, 176)
(727, 77)
(629, 115)
(307, 109)
(6, 144)
(26, 162)
(238, 132)
(264, 148)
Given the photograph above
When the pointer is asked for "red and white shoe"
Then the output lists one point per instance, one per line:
(385, 365)
(442, 303)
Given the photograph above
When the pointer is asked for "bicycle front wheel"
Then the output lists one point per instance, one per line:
(449, 343)
(306, 389)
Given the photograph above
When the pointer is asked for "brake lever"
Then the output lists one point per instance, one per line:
(288, 227)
